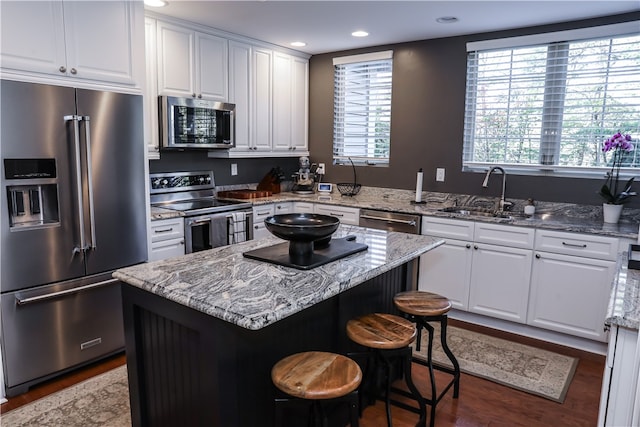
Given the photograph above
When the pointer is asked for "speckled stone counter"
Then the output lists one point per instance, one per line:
(161, 213)
(253, 294)
(552, 216)
(624, 305)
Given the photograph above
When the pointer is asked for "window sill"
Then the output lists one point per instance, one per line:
(549, 171)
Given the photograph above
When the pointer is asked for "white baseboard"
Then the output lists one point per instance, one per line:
(3, 400)
(584, 344)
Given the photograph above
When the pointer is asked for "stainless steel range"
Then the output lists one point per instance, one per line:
(209, 222)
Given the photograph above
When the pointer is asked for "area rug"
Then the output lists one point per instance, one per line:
(540, 372)
(99, 401)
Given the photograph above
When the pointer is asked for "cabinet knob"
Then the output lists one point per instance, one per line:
(200, 96)
(537, 256)
(74, 71)
(468, 246)
(193, 95)
(62, 69)
(475, 247)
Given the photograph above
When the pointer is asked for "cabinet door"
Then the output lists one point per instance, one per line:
(499, 284)
(446, 270)
(176, 49)
(259, 214)
(151, 124)
(211, 67)
(100, 40)
(32, 36)
(261, 114)
(166, 249)
(240, 90)
(303, 207)
(283, 208)
(282, 65)
(570, 294)
(299, 107)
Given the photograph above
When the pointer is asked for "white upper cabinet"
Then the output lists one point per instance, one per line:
(289, 103)
(240, 91)
(101, 42)
(191, 63)
(261, 78)
(151, 133)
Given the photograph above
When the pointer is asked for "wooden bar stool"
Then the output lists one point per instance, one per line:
(318, 376)
(424, 307)
(388, 337)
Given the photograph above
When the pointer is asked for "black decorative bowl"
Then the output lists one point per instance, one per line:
(302, 230)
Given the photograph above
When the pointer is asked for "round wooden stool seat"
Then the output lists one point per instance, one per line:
(382, 331)
(316, 375)
(421, 303)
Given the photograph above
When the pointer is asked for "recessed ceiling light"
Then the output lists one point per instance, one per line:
(156, 3)
(298, 44)
(447, 19)
(359, 34)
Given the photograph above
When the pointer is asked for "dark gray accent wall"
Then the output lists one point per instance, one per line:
(428, 98)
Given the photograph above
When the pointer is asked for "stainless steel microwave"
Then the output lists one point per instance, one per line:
(189, 123)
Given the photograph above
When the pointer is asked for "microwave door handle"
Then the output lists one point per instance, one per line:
(92, 221)
(76, 140)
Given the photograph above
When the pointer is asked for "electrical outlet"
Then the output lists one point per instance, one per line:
(440, 174)
(234, 169)
(320, 169)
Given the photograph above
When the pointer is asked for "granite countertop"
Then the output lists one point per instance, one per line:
(162, 213)
(624, 305)
(222, 283)
(551, 216)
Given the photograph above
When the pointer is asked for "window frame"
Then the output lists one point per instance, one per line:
(342, 158)
(600, 32)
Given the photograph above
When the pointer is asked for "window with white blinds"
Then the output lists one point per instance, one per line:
(362, 108)
(549, 102)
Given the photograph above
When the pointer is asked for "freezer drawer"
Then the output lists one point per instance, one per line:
(49, 329)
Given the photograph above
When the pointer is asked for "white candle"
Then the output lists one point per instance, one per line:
(419, 186)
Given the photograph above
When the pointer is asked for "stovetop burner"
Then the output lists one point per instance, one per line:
(335, 250)
(204, 205)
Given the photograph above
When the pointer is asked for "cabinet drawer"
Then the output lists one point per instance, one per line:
(584, 245)
(451, 228)
(303, 207)
(166, 249)
(283, 208)
(167, 229)
(346, 215)
(504, 235)
(261, 212)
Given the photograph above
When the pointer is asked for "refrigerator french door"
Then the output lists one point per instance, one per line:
(73, 211)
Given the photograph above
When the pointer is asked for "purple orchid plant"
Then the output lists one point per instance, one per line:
(619, 143)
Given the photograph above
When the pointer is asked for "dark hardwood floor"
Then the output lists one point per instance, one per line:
(481, 402)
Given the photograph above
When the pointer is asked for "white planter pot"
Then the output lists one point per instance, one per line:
(611, 213)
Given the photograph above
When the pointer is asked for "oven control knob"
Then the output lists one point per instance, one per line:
(165, 182)
(201, 179)
(208, 179)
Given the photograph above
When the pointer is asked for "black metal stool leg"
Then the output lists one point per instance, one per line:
(452, 358)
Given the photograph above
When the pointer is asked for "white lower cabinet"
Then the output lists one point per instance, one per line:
(346, 215)
(260, 213)
(571, 283)
(167, 238)
(283, 208)
(302, 207)
(446, 270)
(500, 277)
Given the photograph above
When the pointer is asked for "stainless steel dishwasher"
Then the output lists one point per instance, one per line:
(390, 221)
(394, 221)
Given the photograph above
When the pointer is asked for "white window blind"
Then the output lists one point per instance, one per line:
(552, 104)
(362, 108)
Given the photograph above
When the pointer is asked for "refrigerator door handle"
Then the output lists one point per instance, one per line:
(87, 134)
(23, 301)
(76, 140)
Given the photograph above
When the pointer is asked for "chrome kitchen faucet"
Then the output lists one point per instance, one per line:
(502, 205)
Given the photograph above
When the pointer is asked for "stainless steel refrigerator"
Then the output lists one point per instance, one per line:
(72, 211)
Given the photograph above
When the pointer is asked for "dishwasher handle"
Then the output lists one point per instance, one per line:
(411, 222)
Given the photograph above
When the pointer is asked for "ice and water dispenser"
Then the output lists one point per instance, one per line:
(32, 192)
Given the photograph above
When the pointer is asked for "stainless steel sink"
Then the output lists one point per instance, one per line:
(476, 211)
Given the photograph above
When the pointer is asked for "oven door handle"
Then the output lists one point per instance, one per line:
(23, 301)
(198, 221)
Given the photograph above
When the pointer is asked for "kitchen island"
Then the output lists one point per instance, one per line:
(203, 330)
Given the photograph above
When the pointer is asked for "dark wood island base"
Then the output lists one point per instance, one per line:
(187, 368)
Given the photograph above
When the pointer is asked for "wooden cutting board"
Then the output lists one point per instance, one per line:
(243, 194)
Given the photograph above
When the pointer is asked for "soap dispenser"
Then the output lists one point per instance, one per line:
(529, 208)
